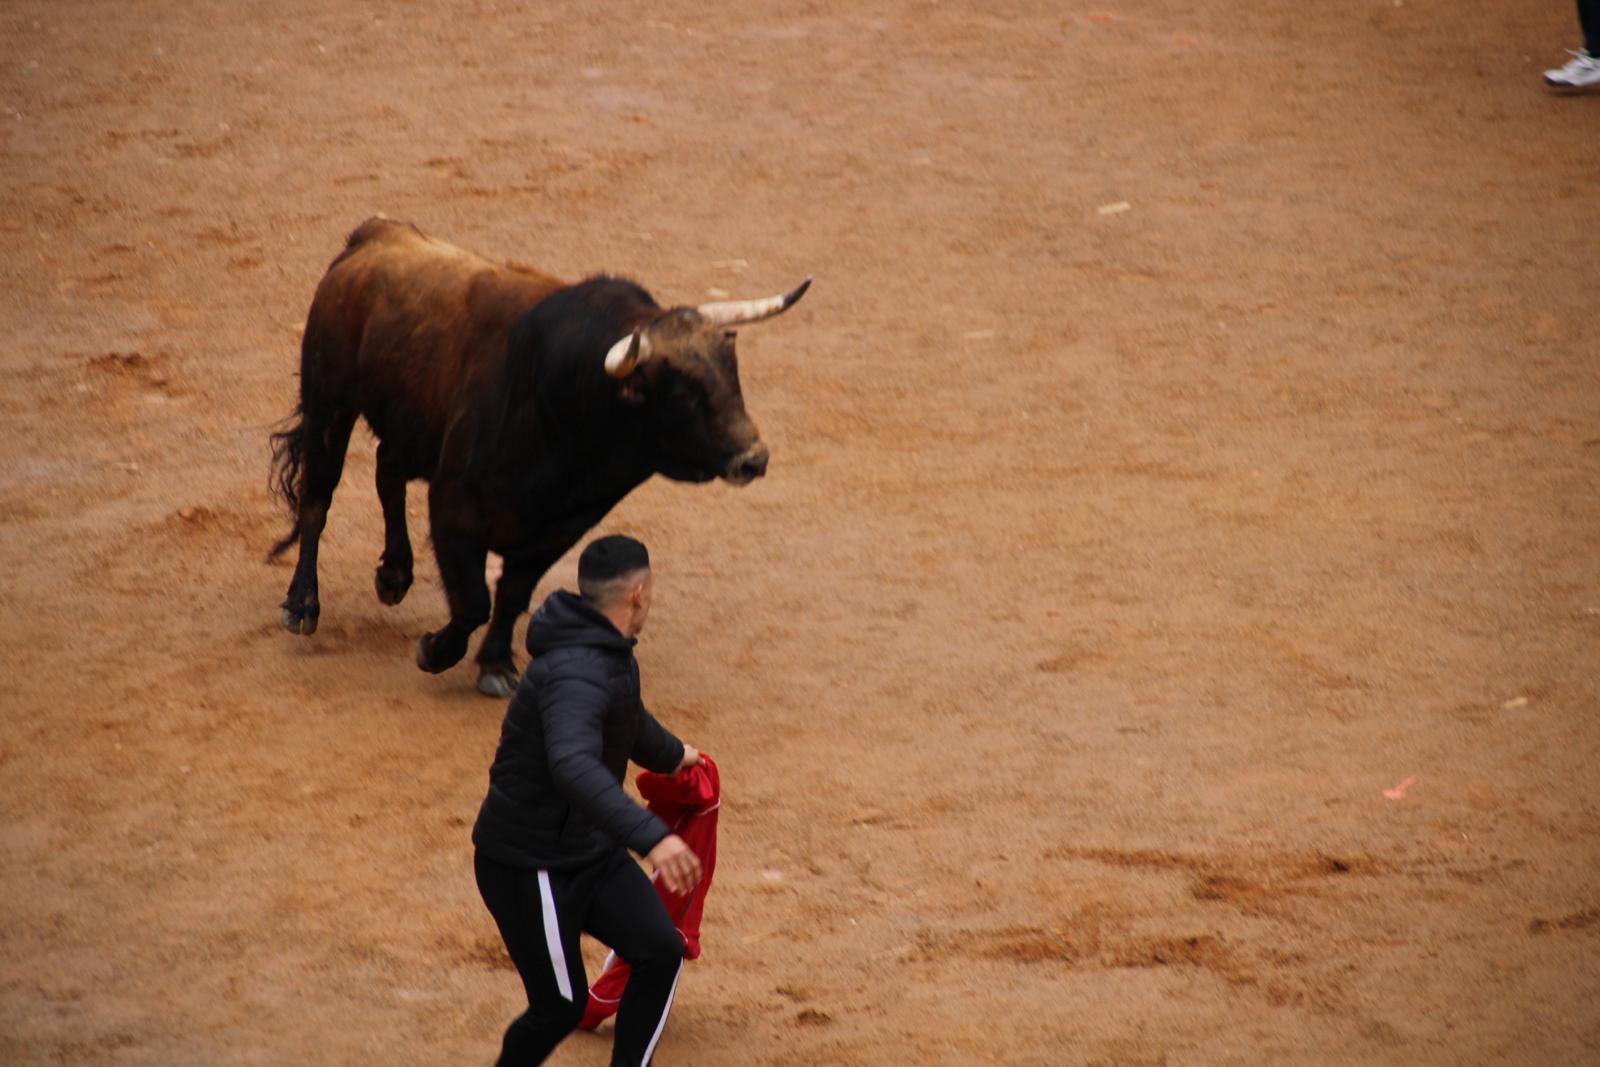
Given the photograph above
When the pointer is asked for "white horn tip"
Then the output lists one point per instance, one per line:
(625, 355)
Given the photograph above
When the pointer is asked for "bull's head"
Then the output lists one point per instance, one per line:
(681, 369)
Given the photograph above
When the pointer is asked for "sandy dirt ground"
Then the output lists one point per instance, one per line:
(1111, 565)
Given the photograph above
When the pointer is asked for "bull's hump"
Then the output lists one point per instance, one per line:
(381, 228)
(432, 281)
(404, 238)
(457, 260)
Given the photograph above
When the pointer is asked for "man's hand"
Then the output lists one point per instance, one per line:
(678, 867)
(691, 758)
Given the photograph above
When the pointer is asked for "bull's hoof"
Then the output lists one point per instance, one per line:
(498, 681)
(392, 584)
(300, 620)
(435, 659)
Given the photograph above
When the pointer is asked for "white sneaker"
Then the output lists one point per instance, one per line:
(1583, 72)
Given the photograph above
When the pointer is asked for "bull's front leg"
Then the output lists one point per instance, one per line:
(497, 671)
(461, 558)
(393, 576)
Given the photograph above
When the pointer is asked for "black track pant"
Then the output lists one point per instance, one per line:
(1589, 19)
(541, 914)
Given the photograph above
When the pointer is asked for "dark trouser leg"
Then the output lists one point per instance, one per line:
(326, 440)
(1589, 19)
(628, 915)
(540, 923)
(394, 574)
(461, 560)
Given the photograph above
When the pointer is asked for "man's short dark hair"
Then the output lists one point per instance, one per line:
(605, 560)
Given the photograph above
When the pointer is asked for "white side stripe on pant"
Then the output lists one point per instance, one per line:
(552, 938)
(650, 1049)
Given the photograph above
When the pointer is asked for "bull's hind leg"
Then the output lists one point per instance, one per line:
(394, 574)
(461, 560)
(324, 442)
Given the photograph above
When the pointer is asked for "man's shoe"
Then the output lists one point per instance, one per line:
(1583, 72)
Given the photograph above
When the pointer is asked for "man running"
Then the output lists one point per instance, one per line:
(553, 834)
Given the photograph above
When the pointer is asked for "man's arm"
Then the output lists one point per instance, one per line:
(656, 749)
(572, 709)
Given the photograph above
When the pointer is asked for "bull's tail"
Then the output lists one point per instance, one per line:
(288, 467)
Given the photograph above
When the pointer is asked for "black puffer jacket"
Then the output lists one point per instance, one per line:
(555, 790)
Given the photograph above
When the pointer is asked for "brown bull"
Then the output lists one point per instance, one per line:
(530, 406)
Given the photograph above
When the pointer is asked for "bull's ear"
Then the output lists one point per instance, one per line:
(631, 391)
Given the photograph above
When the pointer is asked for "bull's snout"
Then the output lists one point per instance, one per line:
(748, 466)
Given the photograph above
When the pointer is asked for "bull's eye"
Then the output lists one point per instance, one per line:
(686, 390)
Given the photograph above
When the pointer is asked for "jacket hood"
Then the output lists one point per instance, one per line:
(564, 620)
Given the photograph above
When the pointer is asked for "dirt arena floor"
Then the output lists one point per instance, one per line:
(1193, 433)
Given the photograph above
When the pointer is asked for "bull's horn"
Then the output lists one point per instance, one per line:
(738, 312)
(627, 353)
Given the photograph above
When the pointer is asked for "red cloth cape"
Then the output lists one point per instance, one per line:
(688, 803)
